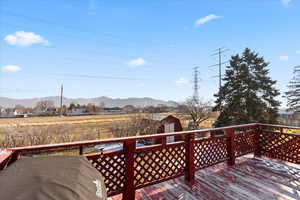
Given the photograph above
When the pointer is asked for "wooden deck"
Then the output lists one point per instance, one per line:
(251, 178)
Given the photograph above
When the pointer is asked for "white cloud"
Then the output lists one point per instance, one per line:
(284, 58)
(205, 19)
(22, 38)
(298, 52)
(137, 62)
(286, 2)
(181, 81)
(11, 68)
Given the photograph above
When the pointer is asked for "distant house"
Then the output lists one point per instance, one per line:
(2, 110)
(168, 124)
(17, 112)
(289, 118)
(129, 109)
(77, 111)
(113, 110)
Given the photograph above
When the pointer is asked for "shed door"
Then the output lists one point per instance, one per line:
(170, 128)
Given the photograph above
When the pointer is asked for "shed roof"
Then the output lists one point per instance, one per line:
(158, 117)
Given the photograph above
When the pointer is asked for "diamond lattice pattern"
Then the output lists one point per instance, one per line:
(210, 151)
(111, 166)
(280, 146)
(245, 143)
(159, 164)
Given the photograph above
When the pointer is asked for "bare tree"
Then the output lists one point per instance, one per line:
(199, 111)
(137, 125)
(44, 105)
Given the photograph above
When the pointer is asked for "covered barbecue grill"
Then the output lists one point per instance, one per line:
(53, 177)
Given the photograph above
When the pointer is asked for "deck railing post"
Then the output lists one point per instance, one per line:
(80, 150)
(189, 155)
(281, 130)
(129, 190)
(231, 146)
(257, 151)
(16, 156)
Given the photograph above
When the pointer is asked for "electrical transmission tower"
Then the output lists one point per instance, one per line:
(196, 80)
(219, 52)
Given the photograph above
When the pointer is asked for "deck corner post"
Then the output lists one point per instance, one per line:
(231, 146)
(15, 156)
(257, 151)
(129, 189)
(189, 156)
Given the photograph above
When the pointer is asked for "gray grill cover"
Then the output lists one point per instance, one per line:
(55, 178)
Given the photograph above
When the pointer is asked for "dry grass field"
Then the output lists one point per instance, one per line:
(75, 124)
(44, 130)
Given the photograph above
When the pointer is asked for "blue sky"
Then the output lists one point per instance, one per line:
(138, 48)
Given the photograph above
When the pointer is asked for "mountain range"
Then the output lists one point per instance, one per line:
(108, 102)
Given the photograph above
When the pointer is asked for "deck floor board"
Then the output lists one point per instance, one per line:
(250, 178)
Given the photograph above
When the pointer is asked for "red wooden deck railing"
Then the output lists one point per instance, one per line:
(136, 167)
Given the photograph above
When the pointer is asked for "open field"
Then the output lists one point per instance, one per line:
(44, 130)
(75, 124)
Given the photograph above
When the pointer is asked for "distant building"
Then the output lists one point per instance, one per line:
(116, 110)
(2, 110)
(17, 112)
(129, 109)
(77, 111)
(168, 124)
(289, 118)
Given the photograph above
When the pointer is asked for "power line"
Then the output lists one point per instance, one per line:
(99, 77)
(30, 18)
(97, 52)
(218, 64)
(87, 76)
(80, 29)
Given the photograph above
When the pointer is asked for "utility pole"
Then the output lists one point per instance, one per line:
(219, 52)
(61, 99)
(196, 93)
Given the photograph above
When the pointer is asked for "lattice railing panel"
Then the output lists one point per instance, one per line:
(111, 166)
(158, 165)
(210, 151)
(280, 146)
(245, 143)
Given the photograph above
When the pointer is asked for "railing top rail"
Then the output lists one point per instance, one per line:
(278, 126)
(119, 140)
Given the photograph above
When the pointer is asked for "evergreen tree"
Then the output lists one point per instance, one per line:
(293, 94)
(248, 93)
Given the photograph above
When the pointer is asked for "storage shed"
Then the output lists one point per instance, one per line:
(169, 124)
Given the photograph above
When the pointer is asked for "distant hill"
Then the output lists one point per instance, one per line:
(109, 102)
